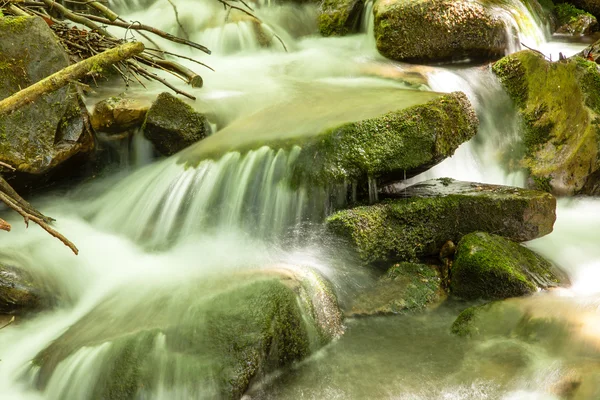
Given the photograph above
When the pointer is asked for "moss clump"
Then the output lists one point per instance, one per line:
(340, 17)
(559, 103)
(15, 24)
(388, 146)
(405, 288)
(573, 20)
(461, 325)
(491, 267)
(406, 229)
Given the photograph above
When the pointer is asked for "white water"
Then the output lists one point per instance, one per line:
(164, 223)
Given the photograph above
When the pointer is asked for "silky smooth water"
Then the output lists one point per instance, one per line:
(149, 227)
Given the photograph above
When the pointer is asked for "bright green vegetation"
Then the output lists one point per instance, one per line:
(491, 267)
(406, 229)
(405, 288)
(559, 103)
(567, 13)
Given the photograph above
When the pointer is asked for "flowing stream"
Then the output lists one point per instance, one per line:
(155, 225)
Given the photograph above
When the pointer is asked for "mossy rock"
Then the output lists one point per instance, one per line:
(118, 114)
(172, 125)
(574, 21)
(21, 292)
(489, 266)
(441, 210)
(201, 339)
(39, 136)
(438, 30)
(590, 6)
(340, 17)
(405, 288)
(559, 103)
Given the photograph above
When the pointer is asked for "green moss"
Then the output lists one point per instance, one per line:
(339, 17)
(543, 183)
(461, 325)
(14, 24)
(407, 229)
(490, 267)
(386, 146)
(567, 13)
(558, 102)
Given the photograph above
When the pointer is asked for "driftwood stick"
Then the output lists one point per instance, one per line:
(107, 12)
(74, 17)
(27, 217)
(5, 226)
(10, 192)
(68, 74)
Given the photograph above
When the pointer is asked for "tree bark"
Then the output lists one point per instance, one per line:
(69, 74)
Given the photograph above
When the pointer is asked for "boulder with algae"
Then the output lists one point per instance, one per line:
(436, 211)
(488, 266)
(571, 20)
(197, 339)
(340, 17)
(559, 103)
(39, 136)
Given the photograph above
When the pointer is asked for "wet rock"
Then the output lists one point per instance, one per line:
(405, 288)
(390, 147)
(203, 339)
(21, 292)
(172, 125)
(118, 114)
(488, 266)
(40, 136)
(574, 21)
(559, 103)
(436, 211)
(437, 30)
(340, 17)
(591, 6)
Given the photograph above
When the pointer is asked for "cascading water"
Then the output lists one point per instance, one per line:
(171, 237)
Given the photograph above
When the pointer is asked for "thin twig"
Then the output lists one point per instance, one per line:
(3, 164)
(180, 56)
(8, 323)
(177, 19)
(537, 51)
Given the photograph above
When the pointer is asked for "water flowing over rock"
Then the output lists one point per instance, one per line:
(560, 106)
(436, 211)
(405, 288)
(437, 30)
(202, 339)
(40, 136)
(172, 125)
(490, 267)
(340, 17)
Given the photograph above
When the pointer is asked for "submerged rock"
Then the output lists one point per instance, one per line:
(441, 210)
(172, 125)
(21, 292)
(406, 287)
(574, 21)
(118, 114)
(560, 107)
(436, 30)
(488, 266)
(340, 17)
(41, 135)
(200, 339)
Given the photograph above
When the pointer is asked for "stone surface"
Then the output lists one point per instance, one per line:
(441, 210)
(118, 114)
(405, 288)
(172, 125)
(204, 338)
(560, 104)
(438, 30)
(491, 267)
(21, 292)
(591, 6)
(39, 136)
(340, 17)
(573, 21)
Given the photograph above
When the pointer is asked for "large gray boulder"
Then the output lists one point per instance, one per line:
(203, 338)
(436, 211)
(489, 266)
(560, 107)
(172, 125)
(437, 30)
(41, 135)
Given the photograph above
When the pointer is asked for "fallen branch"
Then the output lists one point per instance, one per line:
(73, 72)
(8, 323)
(5, 226)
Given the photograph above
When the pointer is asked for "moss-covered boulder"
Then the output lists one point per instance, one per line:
(405, 288)
(488, 266)
(573, 21)
(560, 104)
(340, 17)
(437, 30)
(172, 125)
(591, 6)
(390, 147)
(118, 114)
(205, 338)
(22, 292)
(441, 210)
(41, 135)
